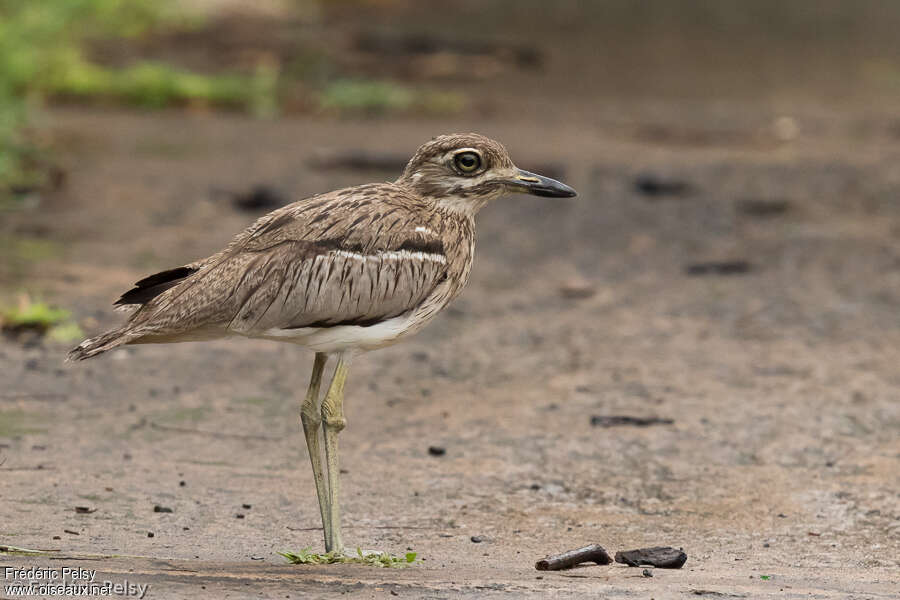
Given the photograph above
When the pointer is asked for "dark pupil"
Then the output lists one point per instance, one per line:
(467, 161)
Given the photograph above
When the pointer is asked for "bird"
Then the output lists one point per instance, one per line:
(339, 273)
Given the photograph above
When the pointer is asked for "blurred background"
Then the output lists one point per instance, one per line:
(362, 82)
(731, 264)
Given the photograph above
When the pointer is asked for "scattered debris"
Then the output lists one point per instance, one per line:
(161, 509)
(594, 553)
(622, 420)
(663, 557)
(763, 207)
(84, 510)
(655, 186)
(724, 267)
(69, 531)
(437, 450)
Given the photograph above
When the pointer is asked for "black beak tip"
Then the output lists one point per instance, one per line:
(538, 185)
(560, 190)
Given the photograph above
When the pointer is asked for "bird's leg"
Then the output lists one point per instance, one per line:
(333, 416)
(311, 419)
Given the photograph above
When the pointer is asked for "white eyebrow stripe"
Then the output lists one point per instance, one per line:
(392, 255)
(423, 229)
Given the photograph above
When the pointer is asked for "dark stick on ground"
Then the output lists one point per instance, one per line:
(663, 557)
(725, 267)
(620, 420)
(593, 553)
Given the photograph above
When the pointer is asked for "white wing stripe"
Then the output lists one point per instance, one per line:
(392, 255)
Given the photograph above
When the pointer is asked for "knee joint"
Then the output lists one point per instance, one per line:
(335, 423)
(309, 415)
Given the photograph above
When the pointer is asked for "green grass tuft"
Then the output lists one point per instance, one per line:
(377, 97)
(43, 318)
(34, 315)
(373, 559)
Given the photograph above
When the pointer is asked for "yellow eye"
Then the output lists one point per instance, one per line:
(467, 162)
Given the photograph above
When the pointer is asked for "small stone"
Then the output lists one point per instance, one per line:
(161, 509)
(239, 516)
(477, 539)
(436, 450)
(150, 534)
(664, 557)
(576, 289)
(647, 573)
(182, 483)
(246, 506)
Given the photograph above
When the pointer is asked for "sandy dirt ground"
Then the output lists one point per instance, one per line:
(779, 474)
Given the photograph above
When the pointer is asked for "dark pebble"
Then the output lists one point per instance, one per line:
(725, 267)
(239, 516)
(655, 186)
(477, 539)
(84, 510)
(647, 573)
(663, 557)
(247, 506)
(161, 509)
(182, 483)
(436, 451)
(151, 534)
(260, 197)
(762, 207)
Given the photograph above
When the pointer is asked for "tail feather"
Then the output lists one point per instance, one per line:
(101, 343)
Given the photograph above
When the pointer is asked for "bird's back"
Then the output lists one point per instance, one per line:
(353, 257)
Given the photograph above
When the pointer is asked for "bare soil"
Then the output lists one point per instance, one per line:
(779, 475)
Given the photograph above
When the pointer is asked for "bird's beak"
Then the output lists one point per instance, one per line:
(538, 185)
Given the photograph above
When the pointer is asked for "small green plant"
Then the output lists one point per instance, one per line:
(42, 318)
(376, 97)
(373, 559)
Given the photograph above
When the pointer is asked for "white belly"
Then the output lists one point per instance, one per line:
(348, 337)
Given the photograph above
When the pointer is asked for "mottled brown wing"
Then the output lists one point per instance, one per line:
(329, 260)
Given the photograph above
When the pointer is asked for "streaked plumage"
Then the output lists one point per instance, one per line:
(353, 269)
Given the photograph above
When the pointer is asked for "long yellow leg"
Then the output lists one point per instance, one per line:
(311, 420)
(333, 417)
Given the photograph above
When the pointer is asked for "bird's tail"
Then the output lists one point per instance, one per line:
(101, 343)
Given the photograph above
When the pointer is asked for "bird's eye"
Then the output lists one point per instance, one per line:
(467, 162)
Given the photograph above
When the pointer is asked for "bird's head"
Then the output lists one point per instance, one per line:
(463, 172)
